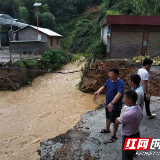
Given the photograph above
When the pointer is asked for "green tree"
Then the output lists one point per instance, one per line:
(97, 49)
(44, 7)
(6, 6)
(24, 15)
(29, 5)
(15, 10)
(48, 20)
(55, 58)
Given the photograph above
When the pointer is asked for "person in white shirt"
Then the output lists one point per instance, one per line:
(135, 85)
(144, 74)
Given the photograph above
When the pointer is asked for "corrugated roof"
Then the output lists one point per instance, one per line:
(43, 30)
(7, 20)
(47, 31)
(6, 16)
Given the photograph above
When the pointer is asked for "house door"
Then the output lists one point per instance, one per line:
(125, 45)
(153, 48)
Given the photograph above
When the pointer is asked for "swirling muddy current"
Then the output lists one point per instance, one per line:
(50, 106)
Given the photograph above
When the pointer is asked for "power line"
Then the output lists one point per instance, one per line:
(77, 43)
(67, 72)
(80, 40)
(84, 37)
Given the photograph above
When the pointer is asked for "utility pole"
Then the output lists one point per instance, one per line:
(37, 5)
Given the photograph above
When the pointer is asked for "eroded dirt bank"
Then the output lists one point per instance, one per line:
(95, 78)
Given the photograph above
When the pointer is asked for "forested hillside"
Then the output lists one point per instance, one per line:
(81, 32)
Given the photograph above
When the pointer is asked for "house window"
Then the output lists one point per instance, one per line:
(51, 41)
(57, 41)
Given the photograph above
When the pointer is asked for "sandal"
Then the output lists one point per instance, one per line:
(104, 131)
(113, 139)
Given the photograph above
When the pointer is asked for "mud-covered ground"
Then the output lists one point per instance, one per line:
(84, 142)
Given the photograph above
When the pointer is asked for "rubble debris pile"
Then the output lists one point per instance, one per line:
(95, 78)
(98, 76)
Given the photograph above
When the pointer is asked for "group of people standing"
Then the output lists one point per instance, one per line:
(134, 99)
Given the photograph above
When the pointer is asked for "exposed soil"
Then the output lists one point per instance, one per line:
(91, 9)
(8, 79)
(95, 78)
(13, 77)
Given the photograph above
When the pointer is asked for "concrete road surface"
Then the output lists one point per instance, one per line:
(5, 55)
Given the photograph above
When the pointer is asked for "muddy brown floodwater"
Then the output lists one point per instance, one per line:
(49, 107)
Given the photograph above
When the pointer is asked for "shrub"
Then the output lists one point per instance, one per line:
(76, 57)
(97, 49)
(30, 63)
(55, 58)
(21, 64)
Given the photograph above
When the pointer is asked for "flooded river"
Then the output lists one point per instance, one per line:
(50, 106)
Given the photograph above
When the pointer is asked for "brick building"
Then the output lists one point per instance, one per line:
(45, 35)
(26, 41)
(126, 36)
